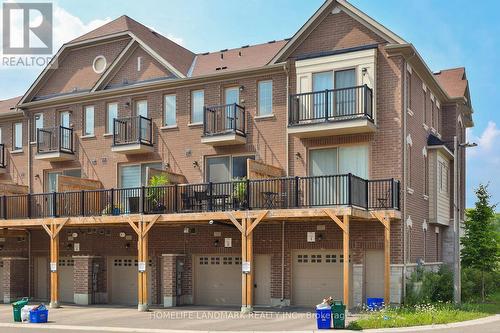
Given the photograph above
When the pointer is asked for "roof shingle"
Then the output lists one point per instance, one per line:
(453, 81)
(7, 105)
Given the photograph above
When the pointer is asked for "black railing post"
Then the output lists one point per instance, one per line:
(247, 194)
(367, 198)
(210, 198)
(204, 120)
(176, 198)
(244, 113)
(54, 204)
(296, 191)
(326, 105)
(82, 203)
(349, 189)
(4, 207)
(392, 192)
(234, 116)
(112, 204)
(143, 200)
(365, 99)
(28, 202)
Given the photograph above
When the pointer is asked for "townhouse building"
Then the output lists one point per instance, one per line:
(137, 172)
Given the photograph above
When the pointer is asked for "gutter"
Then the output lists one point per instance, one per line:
(150, 87)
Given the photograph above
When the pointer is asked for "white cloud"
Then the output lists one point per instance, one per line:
(68, 26)
(487, 141)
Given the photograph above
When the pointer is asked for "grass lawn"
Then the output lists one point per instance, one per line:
(427, 314)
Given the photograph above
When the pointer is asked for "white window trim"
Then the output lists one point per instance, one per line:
(191, 111)
(258, 99)
(109, 131)
(165, 125)
(84, 122)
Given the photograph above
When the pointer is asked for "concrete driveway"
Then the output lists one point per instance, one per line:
(181, 318)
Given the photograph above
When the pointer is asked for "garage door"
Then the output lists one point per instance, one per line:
(66, 280)
(316, 275)
(41, 278)
(1, 279)
(217, 280)
(123, 273)
(374, 276)
(262, 282)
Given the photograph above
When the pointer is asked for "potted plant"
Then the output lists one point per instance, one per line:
(155, 193)
(240, 193)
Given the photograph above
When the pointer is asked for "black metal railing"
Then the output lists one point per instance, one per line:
(331, 105)
(3, 161)
(56, 139)
(222, 119)
(132, 130)
(275, 193)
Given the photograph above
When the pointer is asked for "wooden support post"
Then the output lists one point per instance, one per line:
(387, 262)
(346, 260)
(386, 222)
(244, 258)
(251, 274)
(140, 297)
(54, 262)
(145, 298)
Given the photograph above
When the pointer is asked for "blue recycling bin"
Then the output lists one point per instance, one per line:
(39, 315)
(324, 318)
(374, 303)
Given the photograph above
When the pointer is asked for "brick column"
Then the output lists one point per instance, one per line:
(169, 276)
(83, 282)
(15, 278)
(357, 285)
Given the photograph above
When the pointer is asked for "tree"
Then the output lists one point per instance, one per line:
(480, 242)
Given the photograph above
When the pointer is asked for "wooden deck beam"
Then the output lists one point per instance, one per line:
(386, 222)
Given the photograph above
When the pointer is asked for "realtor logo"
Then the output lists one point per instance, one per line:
(27, 28)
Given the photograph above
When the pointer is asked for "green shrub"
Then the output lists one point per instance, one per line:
(427, 286)
(471, 284)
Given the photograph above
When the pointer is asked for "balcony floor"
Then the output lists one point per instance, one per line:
(56, 156)
(132, 148)
(225, 139)
(330, 128)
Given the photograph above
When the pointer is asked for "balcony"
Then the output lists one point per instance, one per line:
(132, 135)
(3, 163)
(331, 112)
(224, 125)
(275, 193)
(55, 144)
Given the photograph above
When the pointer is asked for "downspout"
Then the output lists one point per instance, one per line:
(405, 182)
(30, 158)
(287, 148)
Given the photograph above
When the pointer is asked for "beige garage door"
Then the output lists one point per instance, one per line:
(122, 280)
(41, 278)
(374, 276)
(1, 279)
(262, 291)
(66, 280)
(217, 280)
(317, 274)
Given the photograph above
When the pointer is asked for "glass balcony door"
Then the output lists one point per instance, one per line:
(65, 135)
(141, 109)
(321, 82)
(232, 96)
(345, 99)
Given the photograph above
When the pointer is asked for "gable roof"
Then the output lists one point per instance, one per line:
(322, 12)
(245, 57)
(453, 81)
(179, 57)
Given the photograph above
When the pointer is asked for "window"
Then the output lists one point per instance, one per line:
(433, 110)
(408, 90)
(111, 114)
(38, 122)
(425, 107)
(134, 175)
(1, 139)
(426, 175)
(197, 103)
(409, 164)
(88, 128)
(170, 110)
(265, 98)
(437, 119)
(18, 136)
(226, 168)
(141, 108)
(65, 119)
(443, 177)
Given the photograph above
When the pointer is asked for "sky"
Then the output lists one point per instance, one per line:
(446, 33)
